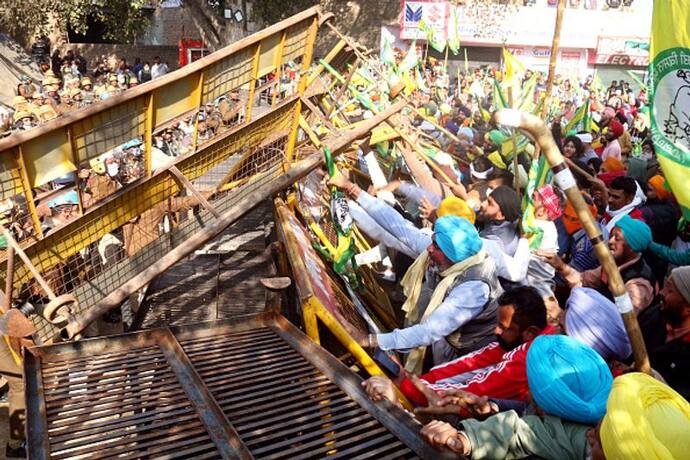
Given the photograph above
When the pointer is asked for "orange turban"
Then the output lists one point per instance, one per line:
(613, 165)
(657, 183)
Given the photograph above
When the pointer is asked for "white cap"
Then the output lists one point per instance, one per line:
(586, 138)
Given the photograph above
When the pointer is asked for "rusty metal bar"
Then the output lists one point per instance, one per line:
(389, 415)
(189, 186)
(36, 426)
(223, 434)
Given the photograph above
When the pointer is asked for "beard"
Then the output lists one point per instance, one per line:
(508, 346)
(670, 316)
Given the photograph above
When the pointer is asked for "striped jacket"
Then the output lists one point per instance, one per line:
(490, 371)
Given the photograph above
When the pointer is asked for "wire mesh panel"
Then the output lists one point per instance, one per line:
(294, 41)
(229, 74)
(15, 214)
(268, 391)
(96, 135)
(95, 254)
(122, 208)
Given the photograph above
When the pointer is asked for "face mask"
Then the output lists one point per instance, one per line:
(113, 169)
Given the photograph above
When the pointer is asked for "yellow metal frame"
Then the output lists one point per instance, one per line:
(306, 63)
(139, 112)
(313, 310)
(252, 85)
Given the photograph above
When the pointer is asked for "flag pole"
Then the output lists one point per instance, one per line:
(563, 177)
(554, 56)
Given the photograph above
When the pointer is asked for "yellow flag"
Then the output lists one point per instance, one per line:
(670, 94)
(512, 65)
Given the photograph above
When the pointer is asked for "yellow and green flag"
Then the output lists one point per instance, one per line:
(453, 30)
(581, 121)
(411, 59)
(511, 65)
(435, 40)
(670, 94)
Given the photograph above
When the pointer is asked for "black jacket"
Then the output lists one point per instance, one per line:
(670, 359)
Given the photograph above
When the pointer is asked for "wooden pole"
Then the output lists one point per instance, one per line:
(9, 278)
(553, 58)
(563, 177)
(516, 177)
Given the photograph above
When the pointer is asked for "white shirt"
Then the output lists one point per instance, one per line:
(158, 70)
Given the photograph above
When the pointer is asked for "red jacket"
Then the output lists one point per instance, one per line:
(497, 373)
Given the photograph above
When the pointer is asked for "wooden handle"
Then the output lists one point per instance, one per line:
(563, 177)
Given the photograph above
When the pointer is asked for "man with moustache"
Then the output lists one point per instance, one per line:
(497, 370)
(666, 331)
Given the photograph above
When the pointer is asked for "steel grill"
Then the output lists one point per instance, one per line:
(128, 403)
(248, 373)
(245, 388)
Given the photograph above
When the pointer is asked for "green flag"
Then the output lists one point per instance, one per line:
(387, 54)
(670, 98)
(411, 59)
(342, 221)
(526, 103)
(581, 121)
(537, 176)
(436, 41)
(453, 30)
(500, 101)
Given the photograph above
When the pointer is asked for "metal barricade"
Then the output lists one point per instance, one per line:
(118, 235)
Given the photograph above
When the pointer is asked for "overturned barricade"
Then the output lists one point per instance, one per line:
(128, 394)
(253, 388)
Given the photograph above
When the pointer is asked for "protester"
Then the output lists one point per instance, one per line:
(498, 369)
(569, 383)
(666, 330)
(158, 69)
(595, 321)
(644, 419)
(499, 214)
(629, 238)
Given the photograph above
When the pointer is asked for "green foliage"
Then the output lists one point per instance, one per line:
(123, 20)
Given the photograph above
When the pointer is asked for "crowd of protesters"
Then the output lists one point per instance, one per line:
(527, 354)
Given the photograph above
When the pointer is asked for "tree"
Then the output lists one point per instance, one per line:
(123, 20)
(218, 31)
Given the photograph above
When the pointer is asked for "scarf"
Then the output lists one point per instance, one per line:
(412, 284)
(640, 198)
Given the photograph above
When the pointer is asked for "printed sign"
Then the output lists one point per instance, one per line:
(627, 51)
(432, 14)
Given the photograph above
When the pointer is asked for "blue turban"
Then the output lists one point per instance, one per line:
(594, 320)
(457, 238)
(568, 379)
(637, 234)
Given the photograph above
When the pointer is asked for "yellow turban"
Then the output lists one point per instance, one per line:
(645, 420)
(455, 206)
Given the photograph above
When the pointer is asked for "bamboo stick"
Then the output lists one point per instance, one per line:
(565, 180)
(554, 56)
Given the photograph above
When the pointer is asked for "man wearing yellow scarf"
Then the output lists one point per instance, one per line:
(451, 288)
